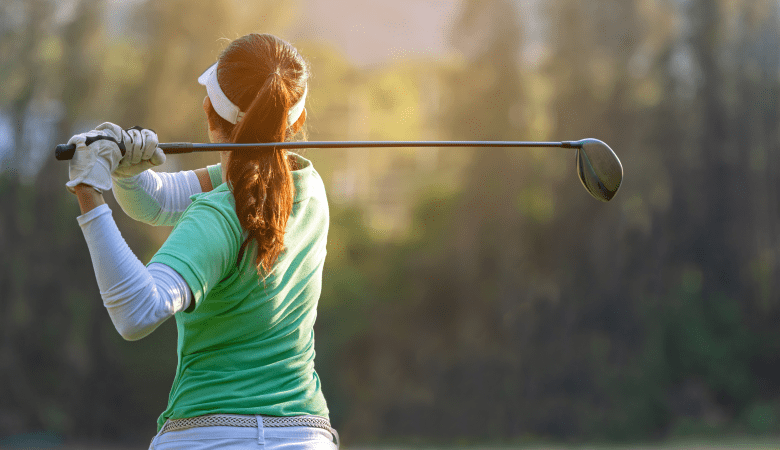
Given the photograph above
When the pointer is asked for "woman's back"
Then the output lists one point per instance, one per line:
(246, 345)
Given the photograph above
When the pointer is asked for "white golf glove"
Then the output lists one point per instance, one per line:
(97, 155)
(142, 152)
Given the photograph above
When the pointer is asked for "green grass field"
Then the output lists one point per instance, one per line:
(773, 444)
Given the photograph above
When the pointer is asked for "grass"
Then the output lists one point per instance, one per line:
(724, 444)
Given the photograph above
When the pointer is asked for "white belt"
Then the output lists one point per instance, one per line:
(230, 420)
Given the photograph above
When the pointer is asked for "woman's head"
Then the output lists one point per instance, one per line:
(256, 94)
(261, 76)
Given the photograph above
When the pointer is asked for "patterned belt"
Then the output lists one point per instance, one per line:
(230, 420)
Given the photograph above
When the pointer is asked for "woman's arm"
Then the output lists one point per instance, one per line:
(159, 198)
(137, 298)
(89, 198)
(204, 179)
(148, 196)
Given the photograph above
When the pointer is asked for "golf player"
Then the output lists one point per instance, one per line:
(242, 268)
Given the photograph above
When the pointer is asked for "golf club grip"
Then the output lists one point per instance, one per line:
(64, 152)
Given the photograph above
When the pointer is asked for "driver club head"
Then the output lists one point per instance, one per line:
(599, 169)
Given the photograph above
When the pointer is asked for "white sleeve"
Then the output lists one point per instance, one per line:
(156, 198)
(137, 299)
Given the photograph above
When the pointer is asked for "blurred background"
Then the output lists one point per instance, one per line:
(470, 297)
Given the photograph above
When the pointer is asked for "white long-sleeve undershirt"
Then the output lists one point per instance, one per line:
(137, 298)
(156, 198)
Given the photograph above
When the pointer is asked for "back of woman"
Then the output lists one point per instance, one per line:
(242, 268)
(247, 344)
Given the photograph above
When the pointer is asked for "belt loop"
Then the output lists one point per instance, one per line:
(335, 436)
(260, 430)
(156, 436)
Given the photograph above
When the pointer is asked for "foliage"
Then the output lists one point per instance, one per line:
(468, 296)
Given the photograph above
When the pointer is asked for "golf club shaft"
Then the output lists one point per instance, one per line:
(65, 151)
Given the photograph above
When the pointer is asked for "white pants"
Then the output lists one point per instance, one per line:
(235, 438)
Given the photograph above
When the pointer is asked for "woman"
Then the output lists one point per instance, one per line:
(242, 268)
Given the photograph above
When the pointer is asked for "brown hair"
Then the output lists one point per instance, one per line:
(264, 76)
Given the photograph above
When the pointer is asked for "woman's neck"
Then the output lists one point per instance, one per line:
(224, 158)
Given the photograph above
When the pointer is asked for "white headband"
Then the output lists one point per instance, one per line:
(230, 112)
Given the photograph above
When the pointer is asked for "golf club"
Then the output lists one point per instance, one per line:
(598, 166)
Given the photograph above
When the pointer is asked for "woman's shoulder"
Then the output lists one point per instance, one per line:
(308, 182)
(220, 194)
(219, 201)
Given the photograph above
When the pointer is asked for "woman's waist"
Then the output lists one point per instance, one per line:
(277, 389)
(247, 421)
(303, 428)
(291, 353)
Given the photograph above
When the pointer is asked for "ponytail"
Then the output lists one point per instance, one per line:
(261, 180)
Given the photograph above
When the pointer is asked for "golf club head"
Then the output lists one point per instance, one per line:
(599, 169)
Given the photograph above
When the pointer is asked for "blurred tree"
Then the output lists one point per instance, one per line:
(515, 306)
(447, 291)
(56, 361)
(63, 367)
(720, 202)
(618, 325)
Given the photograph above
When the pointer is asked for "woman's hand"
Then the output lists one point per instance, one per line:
(117, 152)
(93, 163)
(142, 151)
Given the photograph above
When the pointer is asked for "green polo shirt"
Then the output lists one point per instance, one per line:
(246, 344)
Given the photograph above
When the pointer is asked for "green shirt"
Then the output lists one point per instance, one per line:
(246, 344)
